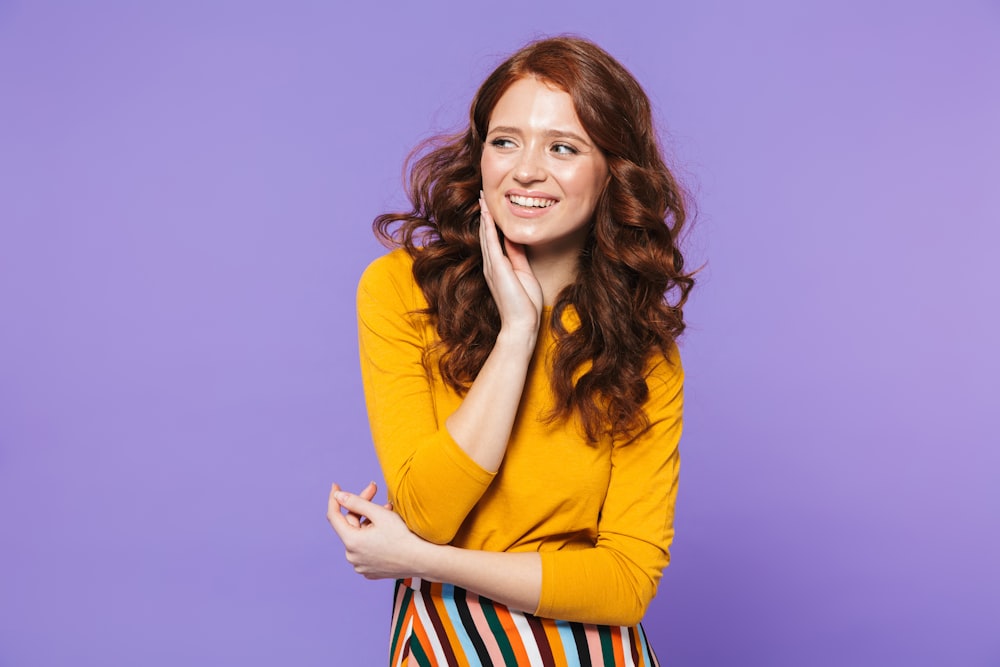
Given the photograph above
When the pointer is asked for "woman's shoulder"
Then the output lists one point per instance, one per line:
(389, 278)
(664, 369)
(394, 266)
(392, 271)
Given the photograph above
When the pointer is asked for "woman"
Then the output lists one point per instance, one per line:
(521, 375)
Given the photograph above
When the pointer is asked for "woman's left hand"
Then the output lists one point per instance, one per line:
(509, 277)
(379, 546)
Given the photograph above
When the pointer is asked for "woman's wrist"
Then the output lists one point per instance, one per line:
(513, 579)
(424, 558)
(517, 339)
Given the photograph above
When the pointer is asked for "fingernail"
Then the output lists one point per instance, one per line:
(340, 496)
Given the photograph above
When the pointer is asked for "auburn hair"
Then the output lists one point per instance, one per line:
(630, 287)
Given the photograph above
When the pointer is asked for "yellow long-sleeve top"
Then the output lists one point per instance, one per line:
(600, 514)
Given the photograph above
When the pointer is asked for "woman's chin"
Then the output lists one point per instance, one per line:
(514, 233)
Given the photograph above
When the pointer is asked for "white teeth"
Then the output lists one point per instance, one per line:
(533, 202)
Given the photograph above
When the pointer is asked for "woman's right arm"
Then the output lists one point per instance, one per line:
(436, 473)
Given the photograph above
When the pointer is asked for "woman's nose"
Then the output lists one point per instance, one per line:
(529, 168)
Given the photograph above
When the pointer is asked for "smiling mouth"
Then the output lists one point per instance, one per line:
(531, 202)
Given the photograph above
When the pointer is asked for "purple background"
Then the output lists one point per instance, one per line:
(185, 196)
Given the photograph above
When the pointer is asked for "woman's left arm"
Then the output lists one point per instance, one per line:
(636, 525)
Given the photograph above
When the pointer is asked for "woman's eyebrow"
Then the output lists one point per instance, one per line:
(549, 134)
(504, 129)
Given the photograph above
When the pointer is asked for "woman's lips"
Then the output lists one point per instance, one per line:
(529, 209)
(529, 204)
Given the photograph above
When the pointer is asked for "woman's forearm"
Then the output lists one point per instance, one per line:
(481, 426)
(512, 579)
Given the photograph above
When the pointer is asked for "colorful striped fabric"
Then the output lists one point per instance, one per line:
(440, 624)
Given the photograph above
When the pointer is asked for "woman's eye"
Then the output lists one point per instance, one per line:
(502, 143)
(564, 149)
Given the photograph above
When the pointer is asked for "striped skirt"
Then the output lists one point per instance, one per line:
(441, 624)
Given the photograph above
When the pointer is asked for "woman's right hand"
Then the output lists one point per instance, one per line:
(376, 540)
(513, 285)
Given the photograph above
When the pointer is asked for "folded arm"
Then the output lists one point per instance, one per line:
(436, 473)
(621, 570)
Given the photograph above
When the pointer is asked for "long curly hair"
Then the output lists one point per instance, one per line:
(630, 287)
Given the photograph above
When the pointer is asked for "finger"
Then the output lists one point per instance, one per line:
(334, 515)
(334, 507)
(367, 493)
(493, 255)
(331, 503)
(517, 256)
(366, 522)
(484, 208)
(359, 505)
(485, 223)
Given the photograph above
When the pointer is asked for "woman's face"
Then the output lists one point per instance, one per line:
(542, 174)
